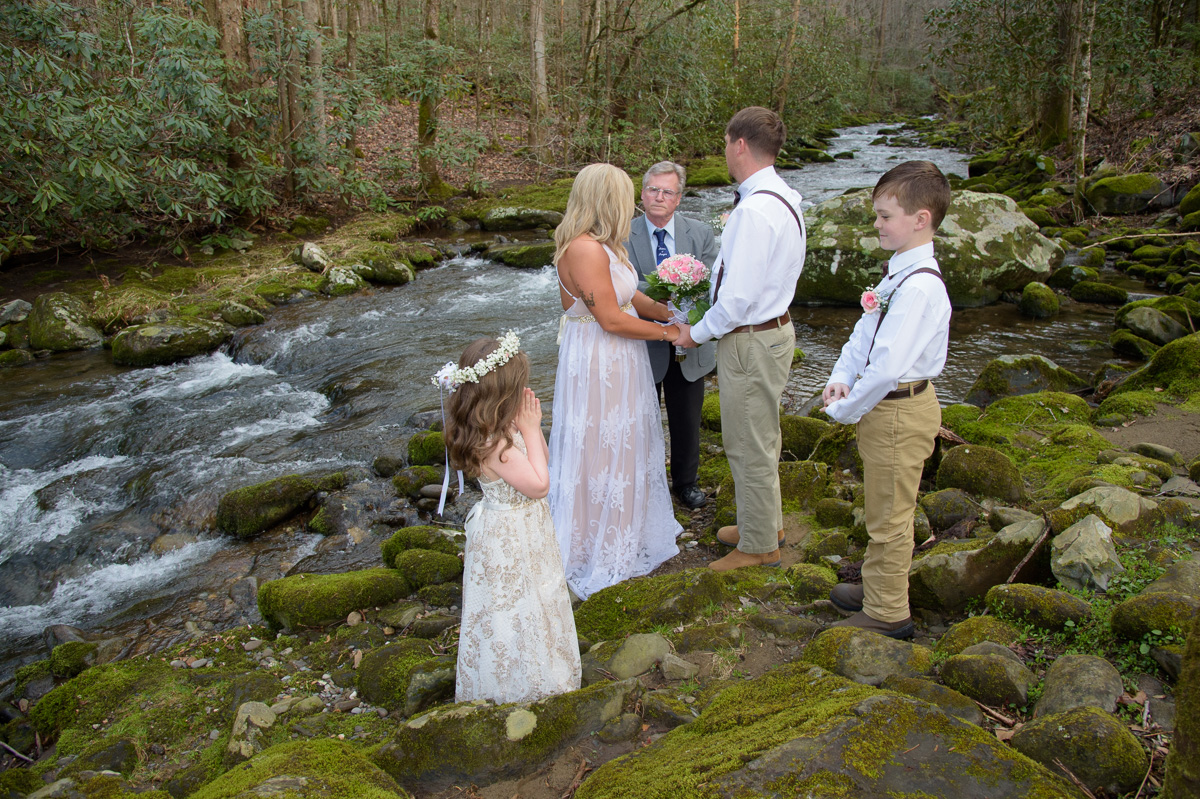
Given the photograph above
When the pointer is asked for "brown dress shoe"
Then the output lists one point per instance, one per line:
(737, 559)
(847, 596)
(892, 629)
(730, 538)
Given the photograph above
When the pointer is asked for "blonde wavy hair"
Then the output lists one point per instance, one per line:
(601, 205)
(479, 415)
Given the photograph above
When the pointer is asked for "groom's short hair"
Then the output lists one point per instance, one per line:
(762, 129)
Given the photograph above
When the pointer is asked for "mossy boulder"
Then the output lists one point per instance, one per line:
(245, 512)
(1175, 368)
(508, 217)
(239, 315)
(711, 171)
(424, 536)
(812, 733)
(314, 600)
(1047, 608)
(800, 435)
(383, 674)
(1038, 301)
(340, 281)
(1164, 611)
(948, 507)
(523, 256)
(981, 471)
(1182, 576)
(1097, 293)
(834, 512)
(1152, 325)
(809, 582)
(17, 783)
(1128, 345)
(951, 702)
(992, 679)
(1190, 203)
(58, 322)
(1127, 194)
(867, 657)
(803, 483)
(482, 743)
(1074, 681)
(408, 482)
(380, 262)
(838, 447)
(976, 630)
(427, 448)
(168, 341)
(319, 767)
(1183, 763)
(1097, 747)
(71, 658)
(424, 567)
(1016, 375)
(986, 246)
(821, 544)
(954, 572)
(308, 225)
(710, 412)
(1123, 510)
(15, 358)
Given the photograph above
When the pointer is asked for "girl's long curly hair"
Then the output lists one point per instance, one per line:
(478, 414)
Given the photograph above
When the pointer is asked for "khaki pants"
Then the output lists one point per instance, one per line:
(752, 370)
(894, 439)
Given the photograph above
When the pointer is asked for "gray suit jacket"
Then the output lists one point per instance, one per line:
(694, 238)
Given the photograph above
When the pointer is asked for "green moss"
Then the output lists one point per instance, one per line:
(441, 595)
(1042, 607)
(29, 673)
(383, 674)
(427, 448)
(421, 537)
(975, 630)
(309, 600)
(319, 767)
(409, 482)
(1160, 610)
(1038, 301)
(800, 435)
(1128, 405)
(426, 567)
(643, 602)
(711, 171)
(1100, 293)
(247, 511)
(19, 782)
(1097, 747)
(1174, 368)
(710, 412)
(71, 658)
(524, 256)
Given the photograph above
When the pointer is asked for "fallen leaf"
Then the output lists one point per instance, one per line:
(1004, 735)
(358, 655)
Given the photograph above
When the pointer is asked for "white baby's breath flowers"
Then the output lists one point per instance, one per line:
(450, 376)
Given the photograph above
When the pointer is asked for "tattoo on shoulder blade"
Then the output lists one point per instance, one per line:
(589, 299)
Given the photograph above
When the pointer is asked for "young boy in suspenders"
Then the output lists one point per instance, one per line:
(881, 381)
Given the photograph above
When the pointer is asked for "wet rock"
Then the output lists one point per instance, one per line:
(59, 789)
(981, 471)
(1016, 375)
(120, 756)
(245, 736)
(311, 257)
(1067, 276)
(383, 673)
(523, 256)
(1139, 615)
(1083, 555)
(1038, 301)
(169, 341)
(245, 512)
(238, 315)
(430, 683)
(400, 614)
(1074, 681)
(382, 262)
(171, 542)
(14, 311)
(986, 246)
(1175, 363)
(58, 322)
(817, 733)
(866, 657)
(1128, 194)
(1126, 344)
(10, 358)
(306, 600)
(340, 281)
(433, 625)
(992, 679)
(975, 630)
(623, 728)
(482, 743)
(1043, 607)
(1095, 746)
(1153, 325)
(950, 701)
(948, 507)
(954, 572)
(518, 218)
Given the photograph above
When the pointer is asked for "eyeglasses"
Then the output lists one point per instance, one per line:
(655, 191)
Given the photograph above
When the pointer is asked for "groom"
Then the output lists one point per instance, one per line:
(762, 253)
(658, 234)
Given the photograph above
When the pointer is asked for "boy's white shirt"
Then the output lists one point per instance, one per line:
(910, 345)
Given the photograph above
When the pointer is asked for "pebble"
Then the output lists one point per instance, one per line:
(200, 663)
(214, 735)
(354, 619)
(691, 544)
(252, 644)
(177, 664)
(381, 712)
(389, 631)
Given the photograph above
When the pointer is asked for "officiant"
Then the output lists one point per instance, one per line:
(660, 233)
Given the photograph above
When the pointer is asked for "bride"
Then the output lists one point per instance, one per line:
(608, 481)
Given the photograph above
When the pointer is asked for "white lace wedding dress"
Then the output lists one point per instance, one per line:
(608, 479)
(517, 640)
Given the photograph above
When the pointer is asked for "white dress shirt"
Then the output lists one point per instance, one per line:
(762, 253)
(910, 344)
(669, 240)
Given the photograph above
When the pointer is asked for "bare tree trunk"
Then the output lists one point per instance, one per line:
(387, 33)
(427, 109)
(1085, 100)
(1054, 113)
(737, 33)
(226, 17)
(785, 74)
(352, 20)
(880, 31)
(316, 77)
(539, 100)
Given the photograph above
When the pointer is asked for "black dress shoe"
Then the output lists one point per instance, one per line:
(692, 497)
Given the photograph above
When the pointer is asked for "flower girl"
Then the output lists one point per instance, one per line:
(517, 640)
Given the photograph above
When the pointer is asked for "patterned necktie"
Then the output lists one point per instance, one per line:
(660, 251)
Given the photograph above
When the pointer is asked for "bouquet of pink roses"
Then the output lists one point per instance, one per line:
(682, 279)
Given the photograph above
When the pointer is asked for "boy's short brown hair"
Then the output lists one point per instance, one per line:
(916, 185)
(761, 127)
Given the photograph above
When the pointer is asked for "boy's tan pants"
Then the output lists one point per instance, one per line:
(894, 439)
(752, 371)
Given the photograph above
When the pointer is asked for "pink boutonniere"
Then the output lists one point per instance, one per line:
(870, 301)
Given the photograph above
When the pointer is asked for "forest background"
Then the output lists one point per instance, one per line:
(175, 121)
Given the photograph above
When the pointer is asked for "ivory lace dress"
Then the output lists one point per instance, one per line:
(608, 479)
(517, 640)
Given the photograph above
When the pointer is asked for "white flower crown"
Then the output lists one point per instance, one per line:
(450, 376)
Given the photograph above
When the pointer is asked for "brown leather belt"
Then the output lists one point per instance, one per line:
(772, 325)
(909, 390)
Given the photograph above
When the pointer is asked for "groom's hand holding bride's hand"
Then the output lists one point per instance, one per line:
(685, 337)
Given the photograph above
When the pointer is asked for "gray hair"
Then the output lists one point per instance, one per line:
(664, 168)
